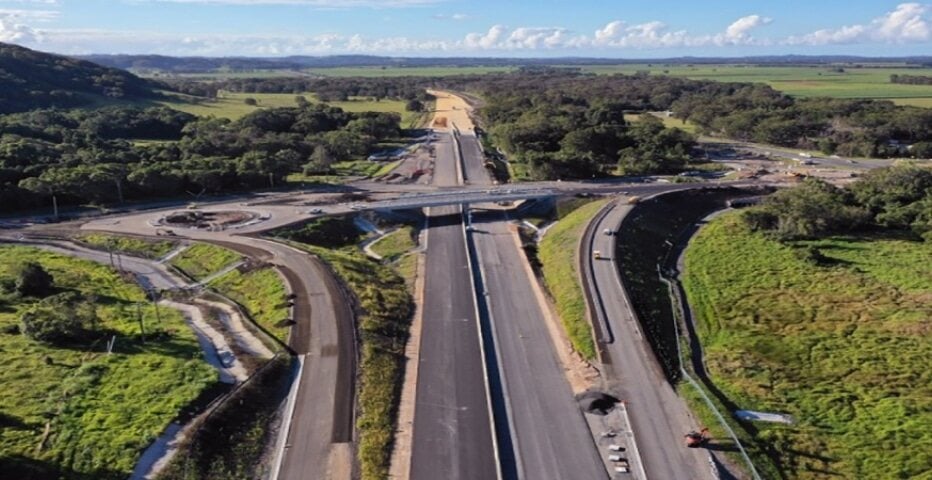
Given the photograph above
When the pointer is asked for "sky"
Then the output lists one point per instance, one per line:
(479, 28)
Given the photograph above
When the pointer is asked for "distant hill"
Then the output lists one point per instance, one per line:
(211, 64)
(30, 79)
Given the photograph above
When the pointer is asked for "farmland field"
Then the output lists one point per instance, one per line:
(232, 105)
(842, 345)
(798, 81)
(74, 411)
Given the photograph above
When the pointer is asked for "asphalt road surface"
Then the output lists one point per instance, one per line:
(550, 436)
(659, 417)
(453, 436)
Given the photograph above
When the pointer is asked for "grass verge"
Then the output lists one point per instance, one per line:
(140, 247)
(203, 259)
(557, 253)
(395, 244)
(262, 293)
(840, 343)
(76, 412)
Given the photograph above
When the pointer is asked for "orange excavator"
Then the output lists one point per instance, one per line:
(696, 439)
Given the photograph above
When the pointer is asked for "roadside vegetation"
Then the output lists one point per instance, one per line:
(231, 442)
(897, 199)
(69, 409)
(644, 241)
(261, 291)
(136, 246)
(558, 254)
(201, 260)
(830, 331)
(384, 315)
(392, 246)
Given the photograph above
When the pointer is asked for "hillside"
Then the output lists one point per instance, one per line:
(31, 79)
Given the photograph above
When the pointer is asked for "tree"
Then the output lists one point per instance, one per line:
(320, 161)
(32, 280)
(812, 209)
(252, 102)
(61, 319)
(301, 101)
(414, 105)
(891, 194)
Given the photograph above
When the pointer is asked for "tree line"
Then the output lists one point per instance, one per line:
(897, 198)
(911, 79)
(742, 111)
(117, 153)
(326, 89)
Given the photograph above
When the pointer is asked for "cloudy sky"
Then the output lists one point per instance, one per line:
(527, 28)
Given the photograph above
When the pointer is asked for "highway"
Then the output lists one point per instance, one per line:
(659, 417)
(549, 434)
(453, 435)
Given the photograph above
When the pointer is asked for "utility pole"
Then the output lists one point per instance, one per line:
(155, 302)
(142, 327)
(55, 206)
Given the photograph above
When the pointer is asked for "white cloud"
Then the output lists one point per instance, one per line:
(740, 30)
(13, 31)
(41, 15)
(908, 22)
(455, 16)
(485, 41)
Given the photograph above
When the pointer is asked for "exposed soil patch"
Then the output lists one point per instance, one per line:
(201, 219)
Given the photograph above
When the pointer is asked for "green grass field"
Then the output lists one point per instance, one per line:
(203, 259)
(798, 81)
(262, 293)
(395, 244)
(139, 247)
(558, 255)
(232, 105)
(843, 348)
(77, 412)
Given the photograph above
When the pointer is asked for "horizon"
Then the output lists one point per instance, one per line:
(456, 29)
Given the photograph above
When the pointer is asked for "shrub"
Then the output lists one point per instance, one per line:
(33, 280)
(61, 319)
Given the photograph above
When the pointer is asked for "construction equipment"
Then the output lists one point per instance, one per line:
(696, 439)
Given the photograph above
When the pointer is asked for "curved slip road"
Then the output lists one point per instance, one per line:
(659, 417)
(320, 433)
